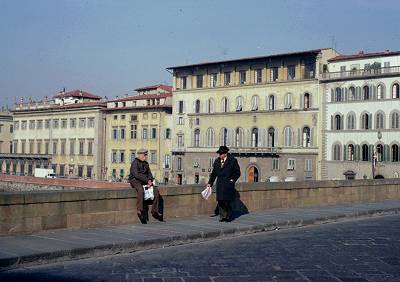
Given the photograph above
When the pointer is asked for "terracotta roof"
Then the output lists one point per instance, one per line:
(362, 55)
(139, 108)
(315, 51)
(162, 86)
(78, 93)
(141, 97)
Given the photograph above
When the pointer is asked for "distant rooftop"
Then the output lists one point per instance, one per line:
(152, 87)
(78, 94)
(142, 97)
(315, 51)
(362, 55)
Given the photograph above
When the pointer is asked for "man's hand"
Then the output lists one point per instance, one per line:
(149, 183)
(232, 180)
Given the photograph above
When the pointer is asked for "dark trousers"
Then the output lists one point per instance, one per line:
(225, 209)
(155, 207)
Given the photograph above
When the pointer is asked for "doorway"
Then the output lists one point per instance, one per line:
(252, 174)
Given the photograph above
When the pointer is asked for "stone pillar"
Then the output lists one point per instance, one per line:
(18, 168)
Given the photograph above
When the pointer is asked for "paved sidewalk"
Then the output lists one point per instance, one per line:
(61, 245)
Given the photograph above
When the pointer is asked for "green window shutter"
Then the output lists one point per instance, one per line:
(344, 152)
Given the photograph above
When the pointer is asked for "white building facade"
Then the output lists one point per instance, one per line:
(362, 116)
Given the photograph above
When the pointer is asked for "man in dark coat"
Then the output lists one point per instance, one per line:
(227, 171)
(140, 174)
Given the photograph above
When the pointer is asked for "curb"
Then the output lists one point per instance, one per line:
(134, 246)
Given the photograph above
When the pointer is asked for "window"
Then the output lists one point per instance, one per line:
(338, 94)
(180, 141)
(306, 101)
(153, 133)
(288, 136)
(213, 80)
(31, 124)
(179, 163)
(291, 72)
(308, 165)
(227, 78)
(309, 70)
(352, 94)
(395, 153)
(89, 171)
(395, 120)
(82, 123)
(16, 125)
(114, 156)
(90, 148)
(239, 137)
(197, 106)
(350, 152)
(63, 144)
(72, 123)
(180, 107)
(62, 170)
(242, 77)
(153, 157)
(11, 128)
(210, 105)
(365, 121)
(121, 156)
(115, 117)
(122, 133)
(55, 145)
(254, 103)
(210, 137)
(168, 133)
(254, 137)
(380, 92)
(123, 116)
(338, 122)
(81, 146)
(180, 120)
(291, 164)
(167, 161)
(224, 104)
(133, 131)
(144, 133)
(306, 137)
(275, 164)
(199, 81)
(72, 147)
(395, 91)
(184, 82)
(336, 152)
(115, 134)
(24, 124)
(39, 147)
(288, 101)
(64, 123)
(365, 93)
(134, 118)
(364, 152)
(197, 138)
(379, 151)
(274, 74)
(31, 147)
(91, 123)
(224, 137)
(380, 121)
(239, 104)
(80, 171)
(271, 137)
(258, 76)
(46, 148)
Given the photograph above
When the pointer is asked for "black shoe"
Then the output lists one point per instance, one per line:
(158, 216)
(142, 218)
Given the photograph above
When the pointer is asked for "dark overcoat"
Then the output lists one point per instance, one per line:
(226, 178)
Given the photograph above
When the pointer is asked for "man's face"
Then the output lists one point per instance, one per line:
(142, 157)
(222, 156)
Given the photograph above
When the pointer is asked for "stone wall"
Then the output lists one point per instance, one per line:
(27, 212)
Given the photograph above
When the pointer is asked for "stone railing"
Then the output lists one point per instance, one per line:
(28, 212)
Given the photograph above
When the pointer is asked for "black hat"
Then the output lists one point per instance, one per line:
(223, 150)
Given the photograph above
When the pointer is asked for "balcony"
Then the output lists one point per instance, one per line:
(178, 150)
(367, 73)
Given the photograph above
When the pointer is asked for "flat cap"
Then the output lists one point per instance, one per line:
(142, 151)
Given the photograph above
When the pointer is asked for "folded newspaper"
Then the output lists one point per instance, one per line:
(148, 192)
(206, 193)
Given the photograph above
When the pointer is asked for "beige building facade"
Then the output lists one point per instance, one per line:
(64, 133)
(6, 132)
(140, 121)
(266, 109)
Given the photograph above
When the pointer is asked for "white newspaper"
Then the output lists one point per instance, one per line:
(206, 193)
(148, 192)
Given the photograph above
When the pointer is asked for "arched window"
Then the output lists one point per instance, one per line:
(306, 137)
(350, 152)
(254, 103)
(395, 153)
(352, 93)
(365, 93)
(197, 105)
(364, 152)
(254, 137)
(197, 138)
(210, 105)
(351, 121)
(271, 102)
(338, 122)
(239, 137)
(307, 101)
(210, 137)
(379, 152)
(239, 103)
(271, 137)
(338, 94)
(395, 91)
(224, 105)
(224, 136)
(395, 120)
(380, 94)
(288, 136)
(336, 152)
(365, 121)
(288, 101)
(379, 121)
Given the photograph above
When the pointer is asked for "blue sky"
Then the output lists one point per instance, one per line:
(111, 47)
